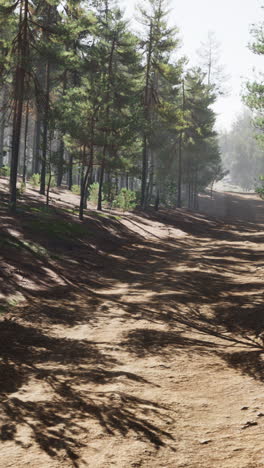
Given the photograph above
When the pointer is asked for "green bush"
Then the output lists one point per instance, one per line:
(35, 180)
(22, 188)
(5, 171)
(93, 193)
(110, 191)
(260, 190)
(52, 182)
(76, 189)
(126, 200)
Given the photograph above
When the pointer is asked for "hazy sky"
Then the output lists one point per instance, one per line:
(230, 20)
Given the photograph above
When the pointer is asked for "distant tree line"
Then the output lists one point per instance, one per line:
(85, 100)
(254, 99)
(241, 153)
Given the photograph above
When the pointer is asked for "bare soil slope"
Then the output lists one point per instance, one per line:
(131, 340)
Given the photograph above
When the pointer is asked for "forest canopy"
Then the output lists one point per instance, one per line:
(88, 104)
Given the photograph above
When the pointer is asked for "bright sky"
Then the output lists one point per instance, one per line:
(230, 20)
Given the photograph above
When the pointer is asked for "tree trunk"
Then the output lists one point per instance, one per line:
(102, 169)
(45, 116)
(2, 125)
(179, 196)
(146, 118)
(101, 181)
(61, 150)
(60, 163)
(70, 171)
(36, 145)
(45, 131)
(19, 89)
(157, 201)
(84, 186)
(48, 188)
(144, 173)
(151, 177)
(25, 144)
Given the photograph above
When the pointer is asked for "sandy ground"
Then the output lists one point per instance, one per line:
(142, 348)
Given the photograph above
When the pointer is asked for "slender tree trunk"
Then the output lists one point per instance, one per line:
(49, 142)
(82, 160)
(192, 194)
(61, 150)
(101, 181)
(45, 116)
(25, 144)
(151, 177)
(102, 169)
(116, 184)
(84, 185)
(189, 194)
(36, 145)
(45, 131)
(196, 203)
(60, 163)
(70, 183)
(2, 125)
(2, 135)
(19, 89)
(48, 188)
(91, 176)
(144, 175)
(179, 196)
(157, 201)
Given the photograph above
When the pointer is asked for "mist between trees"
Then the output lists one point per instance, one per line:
(88, 104)
(241, 153)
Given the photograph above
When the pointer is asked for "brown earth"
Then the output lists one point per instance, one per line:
(132, 340)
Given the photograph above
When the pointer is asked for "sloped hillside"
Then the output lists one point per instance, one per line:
(132, 340)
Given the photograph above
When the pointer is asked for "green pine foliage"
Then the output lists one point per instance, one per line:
(254, 92)
(104, 104)
(125, 200)
(35, 180)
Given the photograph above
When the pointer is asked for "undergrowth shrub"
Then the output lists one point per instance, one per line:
(22, 188)
(52, 181)
(76, 189)
(125, 200)
(93, 191)
(35, 180)
(5, 171)
(260, 190)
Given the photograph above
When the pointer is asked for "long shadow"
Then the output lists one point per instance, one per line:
(186, 277)
(67, 372)
(205, 226)
(248, 362)
(146, 341)
(194, 288)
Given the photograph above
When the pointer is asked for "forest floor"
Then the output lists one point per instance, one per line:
(132, 340)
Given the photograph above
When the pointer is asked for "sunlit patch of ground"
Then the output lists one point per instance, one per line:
(140, 339)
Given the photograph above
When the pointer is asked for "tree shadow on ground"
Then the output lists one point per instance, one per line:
(147, 341)
(191, 291)
(67, 374)
(248, 362)
(202, 225)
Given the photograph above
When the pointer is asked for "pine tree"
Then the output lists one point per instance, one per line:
(157, 44)
(254, 93)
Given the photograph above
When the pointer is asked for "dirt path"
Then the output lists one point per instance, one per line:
(148, 354)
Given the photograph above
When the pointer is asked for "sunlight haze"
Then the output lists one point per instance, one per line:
(231, 22)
